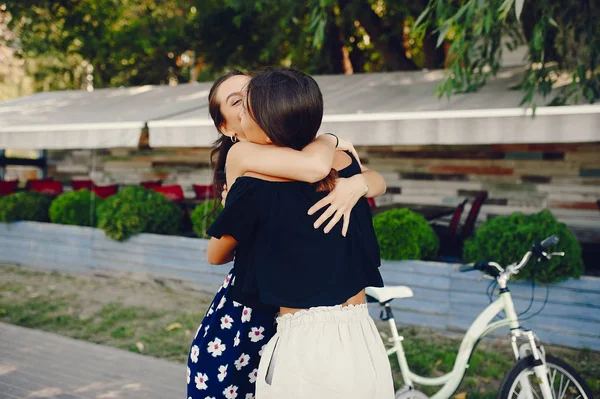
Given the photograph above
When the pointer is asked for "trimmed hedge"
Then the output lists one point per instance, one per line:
(136, 210)
(31, 206)
(506, 239)
(404, 234)
(203, 216)
(75, 208)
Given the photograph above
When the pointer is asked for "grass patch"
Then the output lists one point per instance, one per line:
(68, 305)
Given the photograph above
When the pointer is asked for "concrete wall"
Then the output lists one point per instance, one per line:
(444, 298)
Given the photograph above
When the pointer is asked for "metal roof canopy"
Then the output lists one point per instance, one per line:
(395, 108)
(104, 118)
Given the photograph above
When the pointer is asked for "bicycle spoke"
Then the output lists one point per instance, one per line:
(565, 391)
(561, 385)
(552, 382)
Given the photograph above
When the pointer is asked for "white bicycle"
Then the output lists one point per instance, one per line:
(535, 374)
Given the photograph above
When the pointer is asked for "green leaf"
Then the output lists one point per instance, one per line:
(488, 22)
(581, 73)
(470, 13)
(439, 10)
(519, 8)
(443, 32)
(588, 93)
(421, 17)
(552, 22)
(538, 38)
(504, 8)
(461, 11)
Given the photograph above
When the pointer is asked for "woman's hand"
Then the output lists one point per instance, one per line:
(346, 145)
(224, 194)
(341, 200)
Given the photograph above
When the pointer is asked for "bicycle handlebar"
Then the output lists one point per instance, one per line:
(552, 240)
(493, 269)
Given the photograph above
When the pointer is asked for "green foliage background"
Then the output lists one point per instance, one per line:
(404, 234)
(135, 210)
(138, 42)
(506, 239)
(31, 206)
(75, 208)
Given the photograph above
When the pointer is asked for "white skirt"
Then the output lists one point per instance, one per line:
(329, 352)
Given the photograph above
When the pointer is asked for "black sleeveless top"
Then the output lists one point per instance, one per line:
(282, 260)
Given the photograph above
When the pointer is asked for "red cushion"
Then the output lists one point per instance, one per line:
(173, 193)
(81, 184)
(8, 187)
(151, 184)
(49, 187)
(105, 191)
(204, 191)
(32, 181)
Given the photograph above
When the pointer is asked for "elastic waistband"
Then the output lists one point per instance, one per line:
(324, 314)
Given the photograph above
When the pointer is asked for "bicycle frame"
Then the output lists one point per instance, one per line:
(481, 326)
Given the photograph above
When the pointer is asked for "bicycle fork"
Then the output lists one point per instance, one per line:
(539, 362)
(397, 344)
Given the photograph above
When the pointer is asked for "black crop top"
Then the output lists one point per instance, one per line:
(282, 260)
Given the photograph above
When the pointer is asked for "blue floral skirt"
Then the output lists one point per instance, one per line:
(224, 356)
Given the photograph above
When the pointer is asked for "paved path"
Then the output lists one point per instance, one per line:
(36, 364)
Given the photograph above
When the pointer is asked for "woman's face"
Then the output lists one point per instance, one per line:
(230, 96)
(254, 133)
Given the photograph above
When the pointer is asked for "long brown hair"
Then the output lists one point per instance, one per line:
(287, 104)
(221, 146)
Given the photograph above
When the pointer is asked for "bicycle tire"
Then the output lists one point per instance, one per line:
(552, 362)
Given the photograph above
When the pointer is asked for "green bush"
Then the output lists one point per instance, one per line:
(506, 239)
(32, 206)
(135, 210)
(404, 234)
(77, 208)
(203, 216)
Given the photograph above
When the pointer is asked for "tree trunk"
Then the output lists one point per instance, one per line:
(337, 47)
(389, 45)
(434, 56)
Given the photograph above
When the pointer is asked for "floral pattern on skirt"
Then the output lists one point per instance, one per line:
(224, 356)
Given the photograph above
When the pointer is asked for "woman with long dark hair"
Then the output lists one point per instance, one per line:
(224, 354)
(326, 345)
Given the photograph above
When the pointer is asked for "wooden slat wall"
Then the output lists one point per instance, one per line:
(444, 298)
(564, 177)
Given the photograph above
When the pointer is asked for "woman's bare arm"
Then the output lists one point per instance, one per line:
(344, 197)
(221, 250)
(310, 165)
(375, 181)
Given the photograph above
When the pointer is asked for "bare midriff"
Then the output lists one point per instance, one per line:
(357, 299)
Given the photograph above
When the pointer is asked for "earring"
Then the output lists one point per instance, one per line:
(233, 139)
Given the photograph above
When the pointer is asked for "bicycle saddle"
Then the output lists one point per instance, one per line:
(386, 294)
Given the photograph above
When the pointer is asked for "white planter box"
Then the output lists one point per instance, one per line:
(444, 298)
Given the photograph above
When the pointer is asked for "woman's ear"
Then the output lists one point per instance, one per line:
(226, 132)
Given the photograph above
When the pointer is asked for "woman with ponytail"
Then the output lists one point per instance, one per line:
(224, 354)
(326, 345)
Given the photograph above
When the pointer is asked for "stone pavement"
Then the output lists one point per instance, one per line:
(36, 364)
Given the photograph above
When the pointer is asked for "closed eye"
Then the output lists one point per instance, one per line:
(237, 102)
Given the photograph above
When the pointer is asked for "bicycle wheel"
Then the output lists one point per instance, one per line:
(522, 383)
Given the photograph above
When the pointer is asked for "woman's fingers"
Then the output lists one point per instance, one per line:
(323, 202)
(346, 145)
(346, 223)
(334, 220)
(224, 195)
(326, 215)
